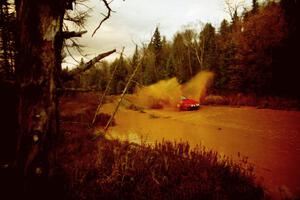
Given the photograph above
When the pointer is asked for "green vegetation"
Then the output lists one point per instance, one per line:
(253, 54)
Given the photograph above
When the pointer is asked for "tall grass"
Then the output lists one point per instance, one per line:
(122, 170)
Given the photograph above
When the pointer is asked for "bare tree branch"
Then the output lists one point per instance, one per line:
(78, 17)
(122, 96)
(67, 48)
(78, 47)
(106, 90)
(109, 10)
(232, 7)
(67, 35)
(91, 63)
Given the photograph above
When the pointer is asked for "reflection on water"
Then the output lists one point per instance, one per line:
(270, 138)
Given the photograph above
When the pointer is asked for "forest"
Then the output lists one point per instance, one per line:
(51, 143)
(245, 55)
(253, 53)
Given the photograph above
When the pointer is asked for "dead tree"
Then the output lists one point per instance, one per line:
(233, 6)
(130, 80)
(106, 90)
(122, 96)
(78, 71)
(39, 43)
(91, 63)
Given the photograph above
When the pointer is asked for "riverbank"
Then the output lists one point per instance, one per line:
(260, 102)
(112, 169)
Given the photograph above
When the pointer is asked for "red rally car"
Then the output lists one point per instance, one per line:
(188, 104)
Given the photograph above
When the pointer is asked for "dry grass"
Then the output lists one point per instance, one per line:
(120, 170)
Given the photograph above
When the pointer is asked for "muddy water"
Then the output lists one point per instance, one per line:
(270, 138)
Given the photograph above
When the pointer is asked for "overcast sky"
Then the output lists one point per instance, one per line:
(134, 21)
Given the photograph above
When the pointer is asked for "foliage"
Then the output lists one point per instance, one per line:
(208, 47)
(180, 58)
(253, 53)
(247, 54)
(164, 171)
(262, 32)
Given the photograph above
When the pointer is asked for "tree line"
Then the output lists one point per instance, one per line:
(254, 52)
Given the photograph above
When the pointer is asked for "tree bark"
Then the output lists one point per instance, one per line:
(38, 62)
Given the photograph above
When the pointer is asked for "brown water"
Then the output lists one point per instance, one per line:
(270, 138)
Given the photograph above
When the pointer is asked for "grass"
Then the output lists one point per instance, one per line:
(110, 169)
(121, 170)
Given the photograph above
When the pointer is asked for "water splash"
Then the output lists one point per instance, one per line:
(197, 87)
(168, 92)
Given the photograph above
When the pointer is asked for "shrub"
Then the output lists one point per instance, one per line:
(122, 170)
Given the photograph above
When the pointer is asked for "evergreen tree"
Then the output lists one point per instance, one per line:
(135, 57)
(156, 47)
(224, 28)
(208, 47)
(225, 52)
(167, 65)
(255, 46)
(180, 58)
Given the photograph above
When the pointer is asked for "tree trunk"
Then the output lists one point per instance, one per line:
(190, 62)
(38, 62)
(202, 55)
(4, 37)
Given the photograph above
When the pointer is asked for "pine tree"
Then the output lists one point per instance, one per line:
(208, 47)
(167, 66)
(180, 58)
(225, 57)
(156, 47)
(135, 56)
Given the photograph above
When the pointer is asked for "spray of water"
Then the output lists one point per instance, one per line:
(197, 87)
(163, 93)
(168, 92)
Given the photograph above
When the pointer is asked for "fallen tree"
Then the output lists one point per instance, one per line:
(79, 70)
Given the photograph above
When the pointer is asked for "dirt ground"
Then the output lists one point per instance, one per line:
(269, 138)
